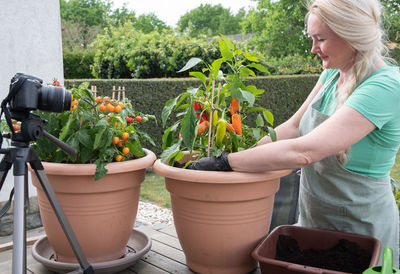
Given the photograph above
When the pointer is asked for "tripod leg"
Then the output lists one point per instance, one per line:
(19, 234)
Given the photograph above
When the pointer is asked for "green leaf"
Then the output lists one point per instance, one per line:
(167, 137)
(246, 72)
(258, 67)
(135, 147)
(269, 117)
(98, 137)
(100, 169)
(257, 133)
(251, 57)
(226, 53)
(228, 42)
(191, 63)
(254, 90)
(199, 76)
(169, 106)
(167, 153)
(84, 138)
(253, 109)
(188, 129)
(216, 65)
(259, 121)
(272, 134)
(65, 129)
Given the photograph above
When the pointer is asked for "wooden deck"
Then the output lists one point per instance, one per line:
(165, 256)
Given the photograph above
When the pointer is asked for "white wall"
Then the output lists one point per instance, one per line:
(30, 42)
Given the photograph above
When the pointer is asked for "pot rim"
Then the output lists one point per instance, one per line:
(90, 169)
(204, 176)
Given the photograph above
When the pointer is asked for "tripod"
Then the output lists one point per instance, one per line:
(18, 155)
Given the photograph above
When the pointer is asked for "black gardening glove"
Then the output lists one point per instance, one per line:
(212, 163)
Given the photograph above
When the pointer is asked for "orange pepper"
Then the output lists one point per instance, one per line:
(203, 127)
(230, 127)
(234, 107)
(237, 123)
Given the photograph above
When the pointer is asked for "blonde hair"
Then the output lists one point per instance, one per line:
(358, 22)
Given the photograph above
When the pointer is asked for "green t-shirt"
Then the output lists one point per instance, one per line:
(378, 99)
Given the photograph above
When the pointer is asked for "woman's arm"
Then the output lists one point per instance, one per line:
(290, 128)
(344, 128)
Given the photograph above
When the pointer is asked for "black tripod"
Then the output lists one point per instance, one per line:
(18, 155)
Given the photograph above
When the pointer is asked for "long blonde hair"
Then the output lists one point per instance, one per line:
(359, 23)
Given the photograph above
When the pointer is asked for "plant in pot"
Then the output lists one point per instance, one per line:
(99, 189)
(219, 216)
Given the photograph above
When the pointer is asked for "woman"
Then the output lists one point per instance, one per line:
(346, 134)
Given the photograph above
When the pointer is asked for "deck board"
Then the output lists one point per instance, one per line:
(165, 256)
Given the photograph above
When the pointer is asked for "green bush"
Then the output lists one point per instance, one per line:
(294, 64)
(77, 64)
(283, 96)
(123, 52)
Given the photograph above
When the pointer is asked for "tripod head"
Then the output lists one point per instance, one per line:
(28, 93)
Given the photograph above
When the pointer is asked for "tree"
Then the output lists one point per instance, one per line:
(149, 22)
(210, 21)
(279, 27)
(82, 20)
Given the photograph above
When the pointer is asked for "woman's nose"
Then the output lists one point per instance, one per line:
(315, 48)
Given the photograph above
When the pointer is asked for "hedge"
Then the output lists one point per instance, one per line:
(283, 96)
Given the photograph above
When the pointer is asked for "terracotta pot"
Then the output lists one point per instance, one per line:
(102, 213)
(220, 217)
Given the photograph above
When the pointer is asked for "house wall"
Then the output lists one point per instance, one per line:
(30, 42)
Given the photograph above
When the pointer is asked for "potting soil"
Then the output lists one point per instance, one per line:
(345, 256)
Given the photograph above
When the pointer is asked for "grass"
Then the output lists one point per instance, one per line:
(153, 187)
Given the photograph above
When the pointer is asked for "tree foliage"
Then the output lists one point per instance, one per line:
(210, 21)
(83, 20)
(279, 28)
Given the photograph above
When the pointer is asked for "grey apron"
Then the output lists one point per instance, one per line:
(332, 197)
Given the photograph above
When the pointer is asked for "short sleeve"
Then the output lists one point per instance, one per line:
(378, 98)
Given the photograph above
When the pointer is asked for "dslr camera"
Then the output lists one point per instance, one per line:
(29, 93)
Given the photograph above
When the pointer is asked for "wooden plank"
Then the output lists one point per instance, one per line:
(170, 230)
(6, 262)
(165, 263)
(161, 237)
(9, 245)
(169, 252)
(142, 267)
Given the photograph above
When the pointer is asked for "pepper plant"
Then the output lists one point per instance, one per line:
(101, 129)
(211, 119)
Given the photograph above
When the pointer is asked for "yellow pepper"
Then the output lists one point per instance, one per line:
(221, 131)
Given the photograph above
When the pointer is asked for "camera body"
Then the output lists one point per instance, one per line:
(31, 94)
(28, 93)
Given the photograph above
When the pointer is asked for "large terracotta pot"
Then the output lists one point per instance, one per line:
(102, 213)
(220, 217)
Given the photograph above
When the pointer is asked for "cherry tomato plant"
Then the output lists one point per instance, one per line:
(212, 119)
(102, 130)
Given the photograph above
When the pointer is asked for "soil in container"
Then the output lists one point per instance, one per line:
(345, 256)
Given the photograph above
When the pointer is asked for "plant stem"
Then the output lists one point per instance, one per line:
(210, 118)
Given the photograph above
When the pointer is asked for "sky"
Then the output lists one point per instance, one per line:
(170, 11)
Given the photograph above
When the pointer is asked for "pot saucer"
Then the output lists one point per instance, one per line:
(138, 245)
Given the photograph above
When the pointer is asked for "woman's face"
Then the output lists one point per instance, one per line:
(334, 51)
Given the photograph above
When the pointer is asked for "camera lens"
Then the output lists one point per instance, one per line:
(54, 99)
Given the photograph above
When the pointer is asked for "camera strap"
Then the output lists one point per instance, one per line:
(7, 205)
(16, 83)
